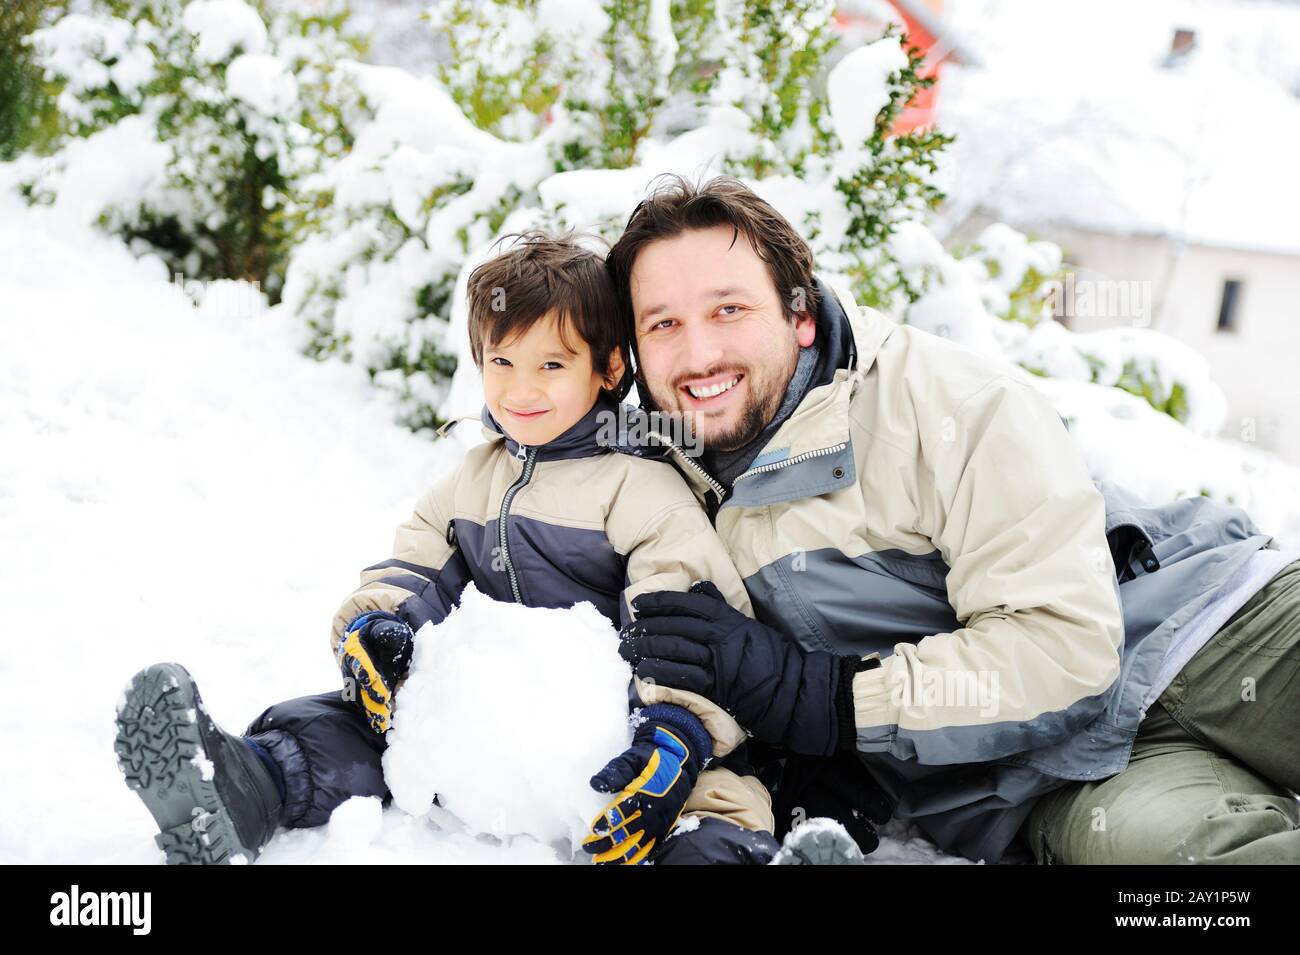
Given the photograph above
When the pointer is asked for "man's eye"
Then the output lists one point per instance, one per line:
(661, 324)
(725, 308)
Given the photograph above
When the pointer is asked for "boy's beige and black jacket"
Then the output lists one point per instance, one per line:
(587, 516)
(926, 504)
(580, 518)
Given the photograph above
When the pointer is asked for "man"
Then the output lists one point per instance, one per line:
(1019, 657)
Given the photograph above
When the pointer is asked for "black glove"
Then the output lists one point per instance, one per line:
(835, 787)
(374, 654)
(785, 696)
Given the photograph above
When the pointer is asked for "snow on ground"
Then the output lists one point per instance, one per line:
(178, 483)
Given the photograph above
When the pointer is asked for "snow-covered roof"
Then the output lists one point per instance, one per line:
(1074, 119)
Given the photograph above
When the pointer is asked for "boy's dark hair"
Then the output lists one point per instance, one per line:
(541, 273)
(677, 204)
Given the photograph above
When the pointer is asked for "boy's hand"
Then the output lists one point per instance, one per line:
(375, 653)
(653, 779)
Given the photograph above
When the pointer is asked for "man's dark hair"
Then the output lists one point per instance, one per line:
(677, 204)
(541, 273)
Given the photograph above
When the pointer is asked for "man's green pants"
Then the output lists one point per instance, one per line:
(1216, 762)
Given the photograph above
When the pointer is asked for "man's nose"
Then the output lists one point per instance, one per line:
(703, 346)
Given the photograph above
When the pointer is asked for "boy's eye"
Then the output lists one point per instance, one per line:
(550, 365)
(502, 362)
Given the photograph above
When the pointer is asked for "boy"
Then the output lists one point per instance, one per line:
(547, 513)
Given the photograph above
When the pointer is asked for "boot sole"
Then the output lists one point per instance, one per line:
(819, 847)
(162, 753)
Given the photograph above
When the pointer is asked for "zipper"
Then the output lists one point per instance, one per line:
(718, 489)
(529, 457)
(777, 465)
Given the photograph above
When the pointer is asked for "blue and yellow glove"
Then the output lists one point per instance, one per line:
(653, 779)
(375, 653)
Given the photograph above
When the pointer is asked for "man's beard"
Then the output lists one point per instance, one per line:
(754, 417)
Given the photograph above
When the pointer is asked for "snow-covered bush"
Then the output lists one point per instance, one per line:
(230, 107)
(397, 218)
(559, 114)
(1000, 295)
(260, 149)
(27, 112)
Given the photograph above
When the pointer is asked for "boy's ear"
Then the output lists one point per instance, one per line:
(616, 369)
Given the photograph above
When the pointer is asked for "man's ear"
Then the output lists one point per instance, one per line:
(805, 328)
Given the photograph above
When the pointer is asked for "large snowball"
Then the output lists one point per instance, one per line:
(506, 714)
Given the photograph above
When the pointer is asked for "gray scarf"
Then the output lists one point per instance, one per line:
(726, 466)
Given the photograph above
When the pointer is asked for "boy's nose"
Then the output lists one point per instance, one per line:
(523, 395)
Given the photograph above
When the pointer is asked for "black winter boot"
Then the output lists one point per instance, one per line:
(211, 796)
(819, 842)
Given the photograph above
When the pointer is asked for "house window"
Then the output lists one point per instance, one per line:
(1228, 306)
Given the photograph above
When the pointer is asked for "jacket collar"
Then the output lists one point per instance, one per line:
(596, 432)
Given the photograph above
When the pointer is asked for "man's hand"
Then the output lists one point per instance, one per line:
(783, 695)
(375, 654)
(835, 787)
(653, 779)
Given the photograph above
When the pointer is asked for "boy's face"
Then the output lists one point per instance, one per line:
(538, 385)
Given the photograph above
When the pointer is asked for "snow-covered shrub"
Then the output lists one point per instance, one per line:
(27, 112)
(260, 149)
(239, 100)
(505, 67)
(1000, 295)
(558, 114)
(396, 219)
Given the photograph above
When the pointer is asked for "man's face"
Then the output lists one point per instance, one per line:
(714, 342)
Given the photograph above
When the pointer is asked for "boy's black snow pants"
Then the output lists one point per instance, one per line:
(327, 754)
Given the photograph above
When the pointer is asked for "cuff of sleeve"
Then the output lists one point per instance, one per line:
(686, 723)
(365, 618)
(875, 707)
(722, 727)
(862, 699)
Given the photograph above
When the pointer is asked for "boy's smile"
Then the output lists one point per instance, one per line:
(540, 383)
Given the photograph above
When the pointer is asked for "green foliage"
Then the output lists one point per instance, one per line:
(593, 91)
(781, 48)
(28, 115)
(891, 185)
(229, 207)
(506, 88)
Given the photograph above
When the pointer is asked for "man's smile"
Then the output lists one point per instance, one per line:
(713, 392)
